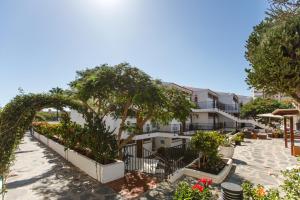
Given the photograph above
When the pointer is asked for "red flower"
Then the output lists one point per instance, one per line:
(198, 187)
(206, 182)
(209, 182)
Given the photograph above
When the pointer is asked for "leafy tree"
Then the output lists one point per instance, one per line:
(179, 105)
(207, 144)
(273, 50)
(124, 91)
(262, 106)
(56, 91)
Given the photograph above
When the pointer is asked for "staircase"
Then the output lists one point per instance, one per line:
(239, 120)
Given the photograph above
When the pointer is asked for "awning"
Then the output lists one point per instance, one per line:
(270, 115)
(283, 112)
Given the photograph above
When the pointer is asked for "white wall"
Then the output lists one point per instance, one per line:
(202, 118)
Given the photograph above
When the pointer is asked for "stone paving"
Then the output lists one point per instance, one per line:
(39, 173)
(261, 161)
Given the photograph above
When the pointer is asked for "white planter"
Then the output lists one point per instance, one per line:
(43, 139)
(111, 171)
(102, 173)
(36, 135)
(226, 152)
(217, 179)
(84, 163)
(58, 148)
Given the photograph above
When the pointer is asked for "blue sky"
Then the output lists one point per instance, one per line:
(196, 43)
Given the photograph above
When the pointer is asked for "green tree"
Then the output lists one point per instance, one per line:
(207, 144)
(179, 105)
(262, 106)
(124, 91)
(273, 50)
(56, 91)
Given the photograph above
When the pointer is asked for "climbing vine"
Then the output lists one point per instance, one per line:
(17, 116)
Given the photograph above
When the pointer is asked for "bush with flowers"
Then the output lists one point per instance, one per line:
(200, 191)
(290, 188)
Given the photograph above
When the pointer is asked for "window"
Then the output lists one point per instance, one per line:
(162, 142)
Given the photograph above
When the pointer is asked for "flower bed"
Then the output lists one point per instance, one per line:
(200, 191)
(100, 172)
(217, 178)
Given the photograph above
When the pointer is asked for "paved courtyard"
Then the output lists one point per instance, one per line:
(260, 161)
(38, 173)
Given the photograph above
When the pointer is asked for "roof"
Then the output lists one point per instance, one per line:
(201, 90)
(270, 115)
(187, 90)
(284, 112)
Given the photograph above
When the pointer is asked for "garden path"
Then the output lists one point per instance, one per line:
(261, 161)
(39, 173)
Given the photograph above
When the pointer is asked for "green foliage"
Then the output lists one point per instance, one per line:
(225, 141)
(258, 192)
(93, 137)
(49, 130)
(17, 116)
(207, 143)
(179, 105)
(273, 51)
(291, 184)
(46, 116)
(70, 132)
(291, 188)
(100, 141)
(124, 91)
(261, 106)
(185, 192)
(237, 138)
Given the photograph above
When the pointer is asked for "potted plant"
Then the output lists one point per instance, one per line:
(226, 149)
(237, 140)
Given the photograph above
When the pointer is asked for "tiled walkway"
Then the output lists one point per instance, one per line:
(38, 173)
(260, 161)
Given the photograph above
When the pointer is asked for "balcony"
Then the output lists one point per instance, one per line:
(212, 126)
(229, 108)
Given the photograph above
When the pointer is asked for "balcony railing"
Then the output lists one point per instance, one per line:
(212, 126)
(230, 108)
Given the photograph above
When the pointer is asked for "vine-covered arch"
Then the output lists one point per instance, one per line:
(17, 116)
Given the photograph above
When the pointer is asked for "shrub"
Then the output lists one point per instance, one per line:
(237, 139)
(258, 192)
(100, 141)
(207, 143)
(200, 191)
(291, 184)
(291, 188)
(226, 141)
(242, 135)
(70, 132)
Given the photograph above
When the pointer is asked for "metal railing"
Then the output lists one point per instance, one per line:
(230, 108)
(213, 126)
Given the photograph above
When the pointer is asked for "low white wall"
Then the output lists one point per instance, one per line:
(219, 178)
(102, 173)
